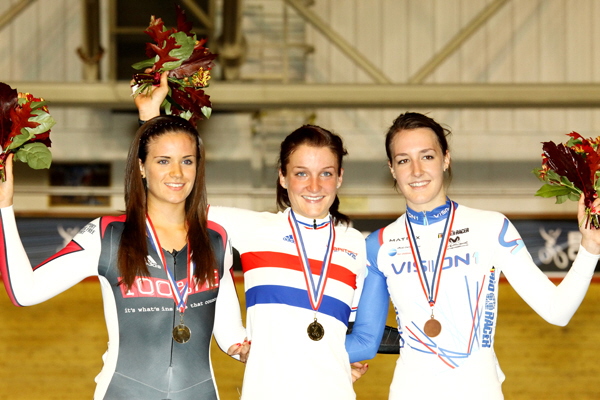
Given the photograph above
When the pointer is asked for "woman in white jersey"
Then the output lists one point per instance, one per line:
(303, 270)
(447, 308)
(164, 270)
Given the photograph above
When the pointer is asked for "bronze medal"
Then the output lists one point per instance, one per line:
(181, 333)
(315, 331)
(432, 327)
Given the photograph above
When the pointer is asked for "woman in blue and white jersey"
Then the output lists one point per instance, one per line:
(440, 264)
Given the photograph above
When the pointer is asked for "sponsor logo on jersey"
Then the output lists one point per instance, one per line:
(346, 251)
(429, 265)
(89, 228)
(289, 238)
(151, 263)
(490, 308)
(149, 286)
(460, 231)
(402, 239)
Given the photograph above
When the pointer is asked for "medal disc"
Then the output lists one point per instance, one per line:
(181, 333)
(315, 331)
(432, 327)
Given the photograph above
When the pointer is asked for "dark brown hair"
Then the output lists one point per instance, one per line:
(413, 120)
(133, 248)
(315, 136)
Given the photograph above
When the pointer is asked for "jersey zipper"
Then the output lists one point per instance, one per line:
(175, 311)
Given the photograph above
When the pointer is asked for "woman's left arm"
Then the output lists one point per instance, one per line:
(555, 303)
(228, 329)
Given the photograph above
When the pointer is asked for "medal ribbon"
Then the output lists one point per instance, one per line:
(431, 291)
(315, 293)
(179, 296)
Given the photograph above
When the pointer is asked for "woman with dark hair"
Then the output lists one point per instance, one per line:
(165, 272)
(303, 269)
(440, 263)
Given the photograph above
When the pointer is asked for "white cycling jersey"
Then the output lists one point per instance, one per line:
(460, 362)
(284, 363)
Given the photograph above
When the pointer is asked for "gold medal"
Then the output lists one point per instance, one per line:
(315, 331)
(314, 290)
(181, 333)
(432, 327)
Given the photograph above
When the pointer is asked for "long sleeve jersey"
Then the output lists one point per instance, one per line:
(284, 363)
(459, 363)
(142, 360)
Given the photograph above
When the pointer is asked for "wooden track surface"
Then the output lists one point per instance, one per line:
(53, 351)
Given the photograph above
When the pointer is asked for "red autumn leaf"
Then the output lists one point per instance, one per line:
(592, 157)
(190, 99)
(200, 58)
(566, 162)
(163, 53)
(43, 138)
(182, 24)
(156, 31)
(8, 101)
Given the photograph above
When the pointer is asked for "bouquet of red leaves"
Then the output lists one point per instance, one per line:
(24, 129)
(189, 63)
(570, 170)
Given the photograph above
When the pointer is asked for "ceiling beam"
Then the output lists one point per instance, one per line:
(13, 11)
(339, 41)
(250, 97)
(461, 37)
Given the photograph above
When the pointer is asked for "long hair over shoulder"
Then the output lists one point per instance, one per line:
(133, 248)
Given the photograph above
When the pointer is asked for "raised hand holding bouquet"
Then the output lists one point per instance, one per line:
(570, 170)
(188, 64)
(25, 124)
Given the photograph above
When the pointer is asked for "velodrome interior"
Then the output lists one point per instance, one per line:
(503, 75)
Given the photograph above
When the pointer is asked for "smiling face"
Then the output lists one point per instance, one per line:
(418, 166)
(311, 180)
(169, 169)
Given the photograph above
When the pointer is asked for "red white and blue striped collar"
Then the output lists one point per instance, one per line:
(311, 223)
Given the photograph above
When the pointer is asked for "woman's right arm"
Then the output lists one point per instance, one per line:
(26, 285)
(148, 104)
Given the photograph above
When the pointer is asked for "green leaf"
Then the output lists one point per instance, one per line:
(565, 181)
(37, 104)
(182, 53)
(20, 139)
(552, 175)
(537, 172)
(573, 196)
(548, 190)
(207, 111)
(561, 199)
(44, 120)
(36, 155)
(144, 64)
(187, 114)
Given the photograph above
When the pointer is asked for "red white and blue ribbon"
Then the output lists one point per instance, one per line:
(179, 295)
(315, 291)
(431, 290)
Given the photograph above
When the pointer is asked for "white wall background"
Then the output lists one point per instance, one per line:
(527, 41)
